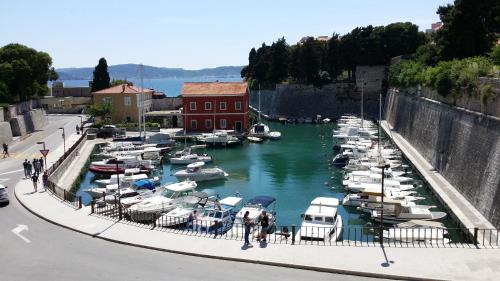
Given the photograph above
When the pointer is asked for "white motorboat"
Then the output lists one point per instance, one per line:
(404, 214)
(388, 184)
(390, 197)
(160, 140)
(120, 162)
(179, 216)
(124, 179)
(274, 135)
(254, 206)
(255, 139)
(321, 222)
(124, 194)
(218, 219)
(164, 202)
(327, 120)
(259, 130)
(190, 158)
(372, 177)
(218, 138)
(195, 172)
(417, 231)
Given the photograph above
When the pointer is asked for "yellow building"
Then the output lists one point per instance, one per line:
(126, 99)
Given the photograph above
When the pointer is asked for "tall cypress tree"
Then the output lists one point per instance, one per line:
(101, 76)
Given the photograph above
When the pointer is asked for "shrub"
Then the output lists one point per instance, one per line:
(406, 73)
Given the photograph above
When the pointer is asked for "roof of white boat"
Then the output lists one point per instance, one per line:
(180, 186)
(416, 223)
(360, 173)
(325, 201)
(321, 210)
(196, 165)
(231, 201)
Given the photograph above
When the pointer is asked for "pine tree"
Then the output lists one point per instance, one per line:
(101, 76)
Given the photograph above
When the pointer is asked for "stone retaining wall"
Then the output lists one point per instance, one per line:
(464, 146)
(28, 122)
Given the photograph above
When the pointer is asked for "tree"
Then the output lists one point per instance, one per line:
(102, 110)
(116, 82)
(278, 61)
(24, 73)
(101, 76)
(469, 28)
(333, 60)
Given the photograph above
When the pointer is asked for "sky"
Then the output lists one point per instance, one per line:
(188, 34)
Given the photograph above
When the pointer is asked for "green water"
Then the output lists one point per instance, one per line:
(294, 170)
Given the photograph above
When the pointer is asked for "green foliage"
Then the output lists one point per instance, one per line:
(101, 76)
(116, 82)
(405, 73)
(469, 28)
(24, 73)
(495, 55)
(101, 110)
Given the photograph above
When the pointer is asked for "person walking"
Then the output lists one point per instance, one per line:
(36, 166)
(264, 226)
(34, 178)
(30, 169)
(25, 166)
(247, 224)
(77, 129)
(45, 179)
(5, 150)
(41, 163)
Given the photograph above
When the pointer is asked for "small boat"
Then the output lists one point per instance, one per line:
(417, 231)
(190, 158)
(274, 135)
(404, 214)
(308, 120)
(340, 160)
(179, 216)
(255, 206)
(167, 200)
(255, 139)
(321, 222)
(327, 120)
(119, 164)
(160, 140)
(219, 219)
(259, 130)
(218, 138)
(195, 172)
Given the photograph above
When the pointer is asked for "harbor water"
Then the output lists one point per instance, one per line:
(294, 170)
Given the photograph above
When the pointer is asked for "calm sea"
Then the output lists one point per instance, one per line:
(170, 86)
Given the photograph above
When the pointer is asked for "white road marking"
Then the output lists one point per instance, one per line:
(17, 231)
(11, 172)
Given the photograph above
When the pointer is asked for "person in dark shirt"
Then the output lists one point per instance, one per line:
(264, 226)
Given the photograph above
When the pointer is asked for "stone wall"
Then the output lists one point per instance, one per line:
(167, 103)
(333, 100)
(463, 145)
(27, 122)
(5, 132)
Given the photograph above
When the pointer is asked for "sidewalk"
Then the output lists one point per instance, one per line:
(456, 202)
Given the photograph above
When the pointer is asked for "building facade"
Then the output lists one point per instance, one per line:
(126, 100)
(59, 90)
(209, 106)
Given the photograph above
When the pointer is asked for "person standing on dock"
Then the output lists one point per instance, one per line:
(41, 164)
(29, 169)
(25, 166)
(34, 178)
(264, 224)
(247, 223)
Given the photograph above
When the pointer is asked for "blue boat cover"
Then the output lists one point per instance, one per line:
(145, 184)
(263, 200)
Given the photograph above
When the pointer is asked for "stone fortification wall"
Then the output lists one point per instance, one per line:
(20, 119)
(167, 103)
(464, 146)
(333, 100)
(5, 132)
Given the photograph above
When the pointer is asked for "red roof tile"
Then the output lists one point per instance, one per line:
(122, 89)
(214, 88)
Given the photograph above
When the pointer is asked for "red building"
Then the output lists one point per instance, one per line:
(220, 104)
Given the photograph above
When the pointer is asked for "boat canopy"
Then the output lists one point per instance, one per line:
(231, 201)
(196, 165)
(144, 184)
(181, 186)
(325, 201)
(262, 200)
(200, 194)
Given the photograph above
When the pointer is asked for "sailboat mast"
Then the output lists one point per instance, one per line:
(142, 99)
(379, 121)
(362, 97)
(259, 103)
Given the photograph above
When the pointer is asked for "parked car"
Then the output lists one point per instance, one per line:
(4, 194)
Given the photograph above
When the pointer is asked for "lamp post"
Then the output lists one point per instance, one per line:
(382, 166)
(45, 155)
(81, 123)
(64, 139)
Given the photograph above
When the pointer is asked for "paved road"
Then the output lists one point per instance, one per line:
(55, 253)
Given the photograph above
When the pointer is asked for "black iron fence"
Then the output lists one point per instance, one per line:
(63, 194)
(296, 235)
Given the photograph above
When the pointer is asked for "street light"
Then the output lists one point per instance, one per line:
(383, 166)
(45, 155)
(64, 139)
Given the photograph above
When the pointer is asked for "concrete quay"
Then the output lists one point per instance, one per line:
(461, 209)
(467, 263)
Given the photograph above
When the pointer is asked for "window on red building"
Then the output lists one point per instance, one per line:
(223, 105)
(208, 123)
(192, 105)
(194, 124)
(208, 105)
(237, 105)
(223, 123)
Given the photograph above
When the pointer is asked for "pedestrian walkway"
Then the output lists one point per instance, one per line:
(467, 214)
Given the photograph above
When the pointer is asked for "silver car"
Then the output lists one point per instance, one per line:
(4, 194)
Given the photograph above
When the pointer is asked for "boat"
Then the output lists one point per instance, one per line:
(417, 231)
(356, 200)
(355, 177)
(327, 120)
(188, 158)
(255, 206)
(219, 219)
(125, 195)
(119, 164)
(167, 200)
(255, 139)
(404, 214)
(124, 179)
(321, 222)
(274, 135)
(259, 130)
(179, 216)
(160, 140)
(98, 192)
(195, 172)
(217, 138)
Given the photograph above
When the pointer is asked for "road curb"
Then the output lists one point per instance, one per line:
(285, 265)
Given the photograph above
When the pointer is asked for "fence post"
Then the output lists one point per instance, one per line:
(92, 206)
(475, 235)
(64, 194)
(79, 202)
(293, 234)
(120, 212)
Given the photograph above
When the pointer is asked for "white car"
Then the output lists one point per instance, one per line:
(4, 194)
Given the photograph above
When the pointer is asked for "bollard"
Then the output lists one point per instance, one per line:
(475, 235)
(293, 234)
(92, 206)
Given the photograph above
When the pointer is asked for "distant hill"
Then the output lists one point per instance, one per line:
(131, 71)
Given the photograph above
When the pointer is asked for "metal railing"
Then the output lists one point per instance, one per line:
(291, 234)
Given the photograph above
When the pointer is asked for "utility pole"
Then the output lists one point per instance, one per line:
(362, 99)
